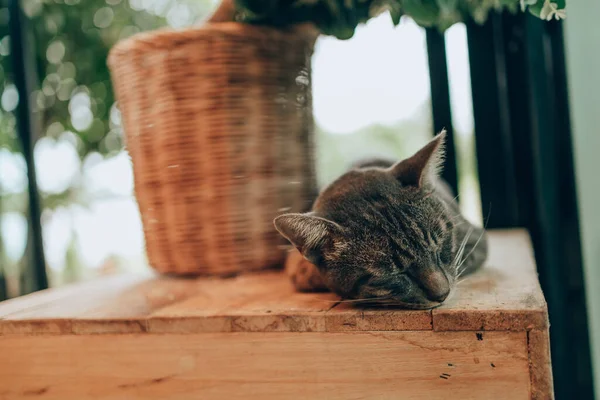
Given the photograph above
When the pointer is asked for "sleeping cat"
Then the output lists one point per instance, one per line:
(387, 234)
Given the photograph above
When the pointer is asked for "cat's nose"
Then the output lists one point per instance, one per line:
(436, 285)
(433, 281)
(438, 294)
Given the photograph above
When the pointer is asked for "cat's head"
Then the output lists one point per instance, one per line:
(382, 234)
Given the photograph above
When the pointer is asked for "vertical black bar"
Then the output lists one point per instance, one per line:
(440, 101)
(3, 289)
(519, 109)
(25, 78)
(571, 240)
(555, 226)
(544, 235)
(569, 215)
(538, 121)
(526, 76)
(492, 124)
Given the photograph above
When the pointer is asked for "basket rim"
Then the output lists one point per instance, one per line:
(167, 38)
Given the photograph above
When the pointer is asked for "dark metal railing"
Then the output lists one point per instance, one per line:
(28, 128)
(440, 101)
(497, 178)
(525, 167)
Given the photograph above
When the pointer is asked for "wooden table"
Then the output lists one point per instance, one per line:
(253, 337)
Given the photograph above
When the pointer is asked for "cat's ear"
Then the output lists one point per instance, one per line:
(308, 233)
(423, 165)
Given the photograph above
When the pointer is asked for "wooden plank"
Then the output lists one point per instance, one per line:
(345, 317)
(41, 300)
(263, 302)
(505, 295)
(115, 304)
(382, 365)
(540, 365)
(283, 310)
(52, 310)
(201, 312)
(127, 310)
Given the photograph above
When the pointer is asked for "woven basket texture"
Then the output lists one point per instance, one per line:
(218, 123)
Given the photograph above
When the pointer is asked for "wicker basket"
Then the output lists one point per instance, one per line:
(218, 123)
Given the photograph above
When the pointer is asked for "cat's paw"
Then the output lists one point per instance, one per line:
(304, 275)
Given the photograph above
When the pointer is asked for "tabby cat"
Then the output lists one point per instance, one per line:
(386, 233)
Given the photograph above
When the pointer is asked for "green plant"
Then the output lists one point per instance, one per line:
(339, 18)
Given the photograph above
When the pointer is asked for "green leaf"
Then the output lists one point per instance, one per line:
(425, 13)
(340, 17)
(396, 13)
(536, 9)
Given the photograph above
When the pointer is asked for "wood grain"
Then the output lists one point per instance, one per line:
(345, 317)
(254, 303)
(254, 336)
(540, 366)
(362, 365)
(503, 296)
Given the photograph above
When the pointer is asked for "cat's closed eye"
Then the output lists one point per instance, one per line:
(445, 252)
(401, 264)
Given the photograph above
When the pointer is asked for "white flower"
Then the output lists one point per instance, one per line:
(560, 14)
(525, 3)
(550, 10)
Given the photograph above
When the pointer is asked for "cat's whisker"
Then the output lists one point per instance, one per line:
(473, 249)
(458, 255)
(457, 271)
(457, 216)
(462, 271)
(459, 275)
(365, 300)
(477, 242)
(457, 265)
(463, 245)
(461, 248)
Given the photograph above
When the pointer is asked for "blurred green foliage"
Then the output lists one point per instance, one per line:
(339, 18)
(71, 40)
(74, 101)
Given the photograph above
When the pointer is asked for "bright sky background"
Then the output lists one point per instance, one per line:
(379, 76)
